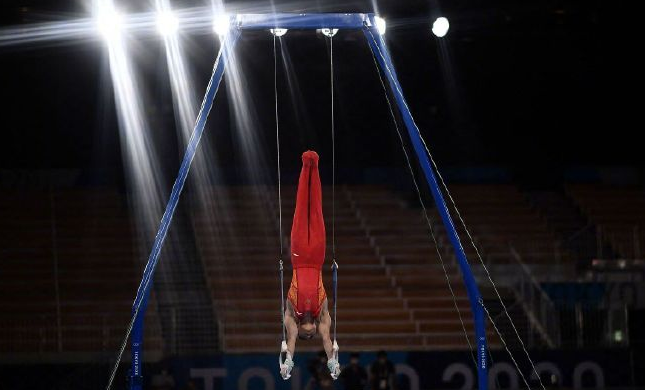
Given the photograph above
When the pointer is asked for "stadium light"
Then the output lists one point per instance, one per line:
(167, 23)
(381, 26)
(329, 32)
(109, 23)
(278, 32)
(221, 25)
(440, 27)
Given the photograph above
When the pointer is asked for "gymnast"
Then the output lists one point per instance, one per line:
(306, 311)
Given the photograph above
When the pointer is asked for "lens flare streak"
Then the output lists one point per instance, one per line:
(72, 31)
(139, 156)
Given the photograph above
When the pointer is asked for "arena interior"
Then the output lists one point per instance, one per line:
(484, 203)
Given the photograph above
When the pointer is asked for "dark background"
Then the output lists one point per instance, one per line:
(536, 87)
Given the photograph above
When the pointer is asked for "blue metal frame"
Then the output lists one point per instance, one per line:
(379, 49)
(365, 22)
(299, 21)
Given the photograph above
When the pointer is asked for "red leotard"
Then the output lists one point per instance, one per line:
(307, 292)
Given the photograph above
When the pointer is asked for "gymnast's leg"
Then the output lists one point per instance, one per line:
(308, 229)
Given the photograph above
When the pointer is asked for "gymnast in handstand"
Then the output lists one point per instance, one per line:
(306, 313)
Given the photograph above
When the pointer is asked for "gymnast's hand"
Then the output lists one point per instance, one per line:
(334, 368)
(285, 369)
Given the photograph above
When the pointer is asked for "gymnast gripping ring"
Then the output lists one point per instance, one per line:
(283, 353)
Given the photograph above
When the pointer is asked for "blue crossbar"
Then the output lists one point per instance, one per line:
(300, 21)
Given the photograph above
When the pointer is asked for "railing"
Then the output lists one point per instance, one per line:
(539, 308)
(602, 242)
(590, 326)
(586, 243)
(628, 244)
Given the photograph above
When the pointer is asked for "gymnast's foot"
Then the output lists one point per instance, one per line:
(310, 158)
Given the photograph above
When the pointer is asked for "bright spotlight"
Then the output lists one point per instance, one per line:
(329, 32)
(380, 24)
(278, 32)
(167, 23)
(440, 27)
(109, 23)
(221, 25)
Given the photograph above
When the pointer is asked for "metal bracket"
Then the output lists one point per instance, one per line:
(329, 32)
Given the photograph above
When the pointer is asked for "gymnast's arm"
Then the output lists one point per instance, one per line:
(324, 327)
(292, 329)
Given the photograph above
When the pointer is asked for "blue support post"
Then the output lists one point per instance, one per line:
(141, 300)
(377, 45)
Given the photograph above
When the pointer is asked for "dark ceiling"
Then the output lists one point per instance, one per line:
(535, 84)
